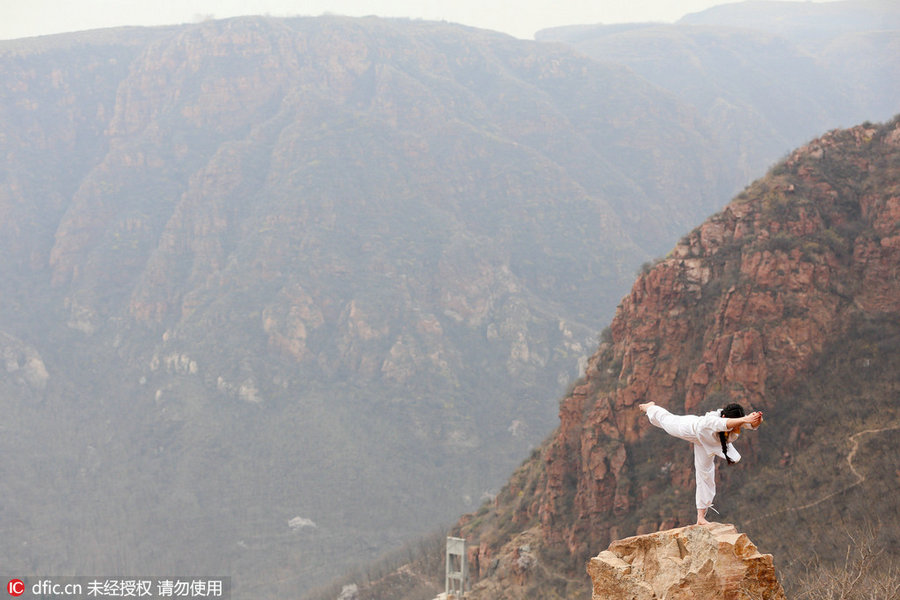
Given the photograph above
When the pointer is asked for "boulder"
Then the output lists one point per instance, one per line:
(700, 562)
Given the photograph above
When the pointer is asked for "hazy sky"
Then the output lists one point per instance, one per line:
(521, 18)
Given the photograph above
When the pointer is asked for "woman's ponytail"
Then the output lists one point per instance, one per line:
(725, 447)
(732, 411)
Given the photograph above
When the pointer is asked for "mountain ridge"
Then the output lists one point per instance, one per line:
(764, 76)
(785, 301)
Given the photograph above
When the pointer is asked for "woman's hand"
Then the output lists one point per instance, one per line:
(754, 419)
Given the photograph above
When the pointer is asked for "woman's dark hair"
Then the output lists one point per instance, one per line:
(731, 411)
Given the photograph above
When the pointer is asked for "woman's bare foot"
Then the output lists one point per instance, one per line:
(701, 517)
(646, 405)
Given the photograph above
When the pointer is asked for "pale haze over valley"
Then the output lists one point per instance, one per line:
(519, 19)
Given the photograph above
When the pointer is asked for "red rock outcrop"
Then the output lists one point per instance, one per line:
(739, 309)
(740, 305)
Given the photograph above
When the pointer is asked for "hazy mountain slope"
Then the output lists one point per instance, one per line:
(855, 41)
(53, 120)
(786, 301)
(765, 76)
(325, 272)
(808, 22)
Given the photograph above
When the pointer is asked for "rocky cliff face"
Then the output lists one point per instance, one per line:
(793, 287)
(711, 562)
(736, 312)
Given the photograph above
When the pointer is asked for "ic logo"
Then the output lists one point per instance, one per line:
(15, 587)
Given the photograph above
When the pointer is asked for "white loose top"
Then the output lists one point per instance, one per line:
(700, 431)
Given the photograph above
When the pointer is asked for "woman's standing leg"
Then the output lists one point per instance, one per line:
(705, 475)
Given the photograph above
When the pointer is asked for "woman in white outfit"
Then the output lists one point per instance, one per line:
(711, 436)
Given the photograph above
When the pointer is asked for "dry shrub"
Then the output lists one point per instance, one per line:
(868, 572)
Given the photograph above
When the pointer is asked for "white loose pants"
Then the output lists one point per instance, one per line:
(685, 428)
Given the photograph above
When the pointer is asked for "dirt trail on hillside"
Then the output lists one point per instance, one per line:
(860, 478)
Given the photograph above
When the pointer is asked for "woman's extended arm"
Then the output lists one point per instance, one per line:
(753, 419)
